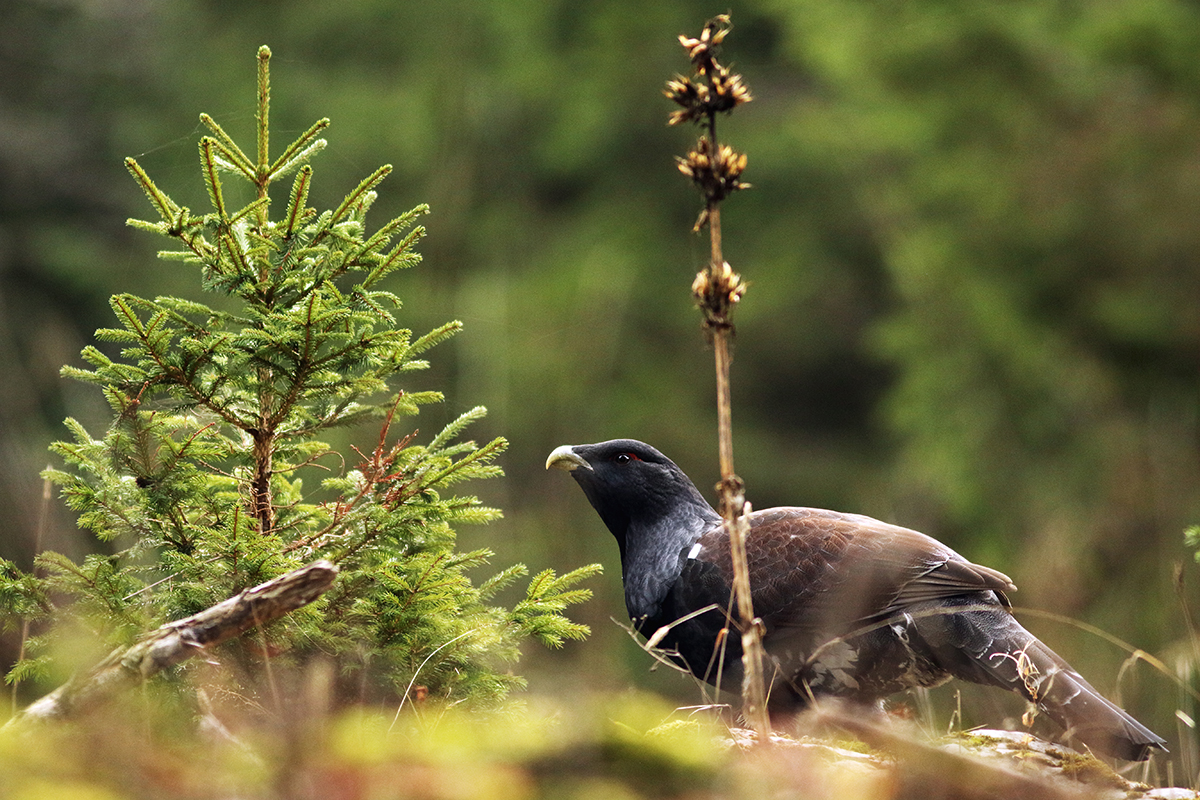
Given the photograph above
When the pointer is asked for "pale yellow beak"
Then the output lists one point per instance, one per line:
(565, 458)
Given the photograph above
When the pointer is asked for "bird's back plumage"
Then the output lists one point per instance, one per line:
(851, 606)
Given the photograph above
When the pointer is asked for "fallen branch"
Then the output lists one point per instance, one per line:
(926, 770)
(178, 641)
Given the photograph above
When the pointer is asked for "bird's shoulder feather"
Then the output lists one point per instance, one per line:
(813, 568)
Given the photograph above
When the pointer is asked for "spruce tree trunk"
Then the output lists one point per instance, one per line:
(263, 507)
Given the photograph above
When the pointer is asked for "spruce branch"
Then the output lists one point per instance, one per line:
(232, 154)
(300, 151)
(359, 195)
(715, 169)
(212, 183)
(166, 207)
(296, 211)
(369, 250)
(253, 207)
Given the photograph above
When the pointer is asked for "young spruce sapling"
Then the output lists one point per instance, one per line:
(195, 489)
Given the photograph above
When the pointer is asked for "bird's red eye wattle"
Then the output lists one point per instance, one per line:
(625, 458)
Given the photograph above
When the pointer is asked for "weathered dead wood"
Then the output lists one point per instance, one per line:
(922, 769)
(178, 641)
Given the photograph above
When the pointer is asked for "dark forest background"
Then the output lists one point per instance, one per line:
(973, 244)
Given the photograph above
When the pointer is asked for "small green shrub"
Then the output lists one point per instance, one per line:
(196, 488)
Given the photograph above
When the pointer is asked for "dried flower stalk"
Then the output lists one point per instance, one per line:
(716, 170)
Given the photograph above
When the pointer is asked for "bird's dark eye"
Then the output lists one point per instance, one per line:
(625, 458)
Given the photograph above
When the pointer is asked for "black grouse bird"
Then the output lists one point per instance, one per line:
(852, 607)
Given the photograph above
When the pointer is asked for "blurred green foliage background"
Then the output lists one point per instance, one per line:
(973, 244)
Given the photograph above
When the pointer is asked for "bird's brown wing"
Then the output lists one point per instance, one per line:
(823, 570)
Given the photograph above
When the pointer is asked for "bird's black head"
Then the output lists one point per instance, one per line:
(632, 485)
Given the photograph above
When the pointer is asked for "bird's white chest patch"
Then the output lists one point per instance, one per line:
(696, 550)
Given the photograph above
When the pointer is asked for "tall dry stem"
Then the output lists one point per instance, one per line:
(716, 170)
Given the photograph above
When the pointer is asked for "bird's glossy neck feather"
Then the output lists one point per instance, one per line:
(653, 553)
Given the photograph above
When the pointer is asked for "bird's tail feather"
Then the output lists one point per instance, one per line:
(1011, 657)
